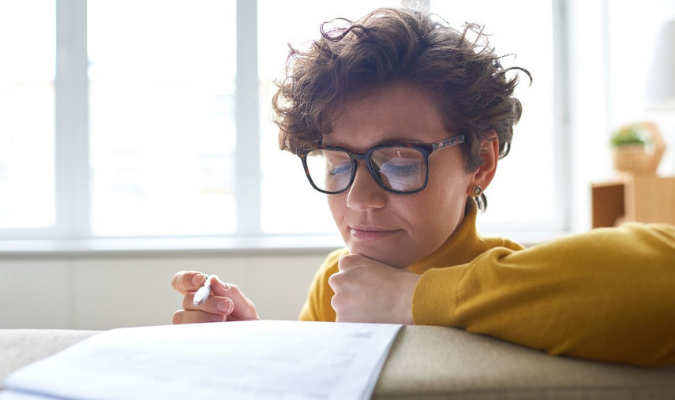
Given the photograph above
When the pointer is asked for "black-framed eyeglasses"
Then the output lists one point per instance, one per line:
(400, 168)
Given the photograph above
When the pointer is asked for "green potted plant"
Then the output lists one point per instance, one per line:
(637, 148)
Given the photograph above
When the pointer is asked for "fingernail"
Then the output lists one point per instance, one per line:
(197, 280)
(225, 306)
(217, 318)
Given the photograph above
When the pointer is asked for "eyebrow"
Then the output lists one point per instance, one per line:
(400, 140)
(390, 141)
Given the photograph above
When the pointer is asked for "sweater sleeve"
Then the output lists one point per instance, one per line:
(608, 294)
(317, 306)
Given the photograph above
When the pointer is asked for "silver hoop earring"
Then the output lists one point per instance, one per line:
(477, 190)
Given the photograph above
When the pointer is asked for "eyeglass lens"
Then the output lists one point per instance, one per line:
(399, 169)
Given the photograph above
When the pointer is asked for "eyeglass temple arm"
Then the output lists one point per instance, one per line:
(451, 141)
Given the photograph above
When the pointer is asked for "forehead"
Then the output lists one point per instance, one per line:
(398, 112)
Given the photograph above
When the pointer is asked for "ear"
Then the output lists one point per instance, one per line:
(489, 153)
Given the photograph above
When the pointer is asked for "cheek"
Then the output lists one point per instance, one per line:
(448, 181)
(434, 216)
(337, 204)
(445, 198)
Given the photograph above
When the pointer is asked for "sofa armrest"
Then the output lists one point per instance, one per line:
(19, 347)
(436, 362)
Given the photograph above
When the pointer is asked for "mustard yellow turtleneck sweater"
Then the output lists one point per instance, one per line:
(608, 294)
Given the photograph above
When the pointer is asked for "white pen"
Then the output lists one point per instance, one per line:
(203, 292)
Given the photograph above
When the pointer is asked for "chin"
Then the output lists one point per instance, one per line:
(382, 255)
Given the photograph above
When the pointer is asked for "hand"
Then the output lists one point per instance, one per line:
(226, 302)
(370, 291)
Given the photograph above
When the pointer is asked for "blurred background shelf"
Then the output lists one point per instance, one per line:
(633, 198)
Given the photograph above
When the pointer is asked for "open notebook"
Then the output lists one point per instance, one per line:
(238, 360)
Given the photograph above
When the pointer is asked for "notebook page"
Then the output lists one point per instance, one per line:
(243, 360)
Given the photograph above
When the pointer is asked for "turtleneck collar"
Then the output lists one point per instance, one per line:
(462, 246)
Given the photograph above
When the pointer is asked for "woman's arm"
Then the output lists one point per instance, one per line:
(608, 295)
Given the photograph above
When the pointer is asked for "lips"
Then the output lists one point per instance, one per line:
(371, 232)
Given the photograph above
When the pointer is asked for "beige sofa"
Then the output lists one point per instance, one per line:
(438, 363)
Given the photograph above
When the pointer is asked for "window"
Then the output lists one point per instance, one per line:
(161, 122)
(27, 197)
(156, 120)
(523, 195)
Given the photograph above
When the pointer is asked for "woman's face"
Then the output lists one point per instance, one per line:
(392, 228)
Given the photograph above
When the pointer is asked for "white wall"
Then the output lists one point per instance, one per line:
(110, 291)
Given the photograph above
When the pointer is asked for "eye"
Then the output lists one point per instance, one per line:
(400, 167)
(339, 170)
(338, 167)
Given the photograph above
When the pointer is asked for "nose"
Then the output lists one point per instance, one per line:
(365, 193)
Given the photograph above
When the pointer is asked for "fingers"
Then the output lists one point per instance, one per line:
(348, 261)
(214, 309)
(212, 305)
(366, 290)
(226, 302)
(244, 309)
(188, 281)
(337, 280)
(194, 317)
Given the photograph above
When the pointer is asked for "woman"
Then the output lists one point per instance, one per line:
(401, 120)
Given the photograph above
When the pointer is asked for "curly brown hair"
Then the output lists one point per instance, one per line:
(463, 76)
